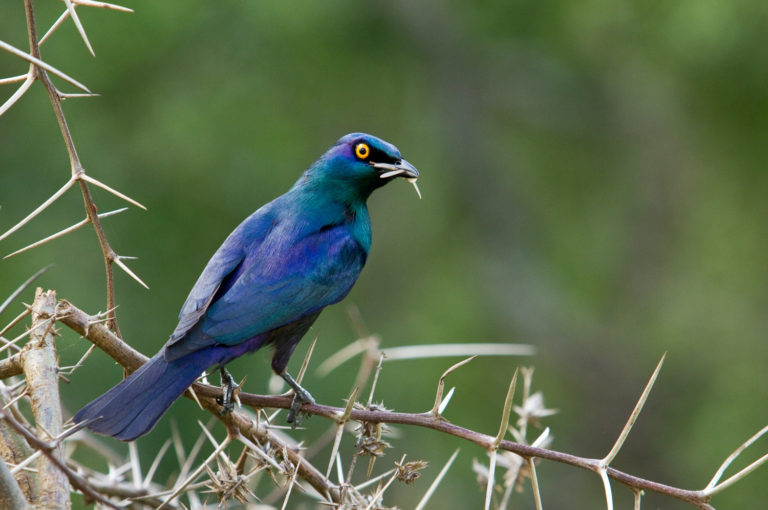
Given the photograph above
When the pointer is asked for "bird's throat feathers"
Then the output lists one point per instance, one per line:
(323, 210)
(319, 184)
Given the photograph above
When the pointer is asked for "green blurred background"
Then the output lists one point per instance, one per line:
(594, 181)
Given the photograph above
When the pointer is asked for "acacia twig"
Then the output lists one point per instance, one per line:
(39, 70)
(125, 491)
(131, 359)
(46, 448)
(11, 366)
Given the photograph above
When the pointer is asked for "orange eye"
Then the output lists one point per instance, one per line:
(362, 150)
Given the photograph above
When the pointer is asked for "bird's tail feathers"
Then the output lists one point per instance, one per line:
(131, 408)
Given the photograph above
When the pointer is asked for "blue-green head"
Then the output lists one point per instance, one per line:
(356, 165)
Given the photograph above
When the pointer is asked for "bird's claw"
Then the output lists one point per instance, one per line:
(228, 388)
(299, 399)
(226, 406)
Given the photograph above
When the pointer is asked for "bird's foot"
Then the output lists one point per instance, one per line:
(228, 388)
(300, 397)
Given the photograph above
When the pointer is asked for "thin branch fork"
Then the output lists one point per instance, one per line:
(125, 355)
(39, 70)
(34, 61)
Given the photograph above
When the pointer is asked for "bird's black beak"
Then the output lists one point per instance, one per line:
(400, 169)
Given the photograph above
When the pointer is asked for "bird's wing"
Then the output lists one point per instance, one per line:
(218, 273)
(288, 281)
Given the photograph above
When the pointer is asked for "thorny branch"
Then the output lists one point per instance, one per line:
(131, 359)
(39, 70)
(76, 164)
(260, 439)
(47, 447)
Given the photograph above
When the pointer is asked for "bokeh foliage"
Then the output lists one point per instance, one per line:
(594, 180)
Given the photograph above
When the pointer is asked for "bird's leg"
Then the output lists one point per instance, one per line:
(300, 397)
(228, 387)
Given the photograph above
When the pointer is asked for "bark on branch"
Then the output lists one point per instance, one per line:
(40, 368)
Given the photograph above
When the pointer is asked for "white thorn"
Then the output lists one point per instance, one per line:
(129, 272)
(40, 209)
(76, 19)
(440, 475)
(34, 60)
(105, 5)
(56, 24)
(16, 95)
(445, 401)
(103, 186)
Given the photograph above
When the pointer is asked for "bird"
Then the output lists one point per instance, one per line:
(264, 286)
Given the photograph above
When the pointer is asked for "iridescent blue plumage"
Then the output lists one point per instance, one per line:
(265, 285)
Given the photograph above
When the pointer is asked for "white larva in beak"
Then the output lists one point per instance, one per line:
(412, 180)
(392, 173)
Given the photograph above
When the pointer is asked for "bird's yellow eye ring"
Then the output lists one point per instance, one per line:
(362, 150)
